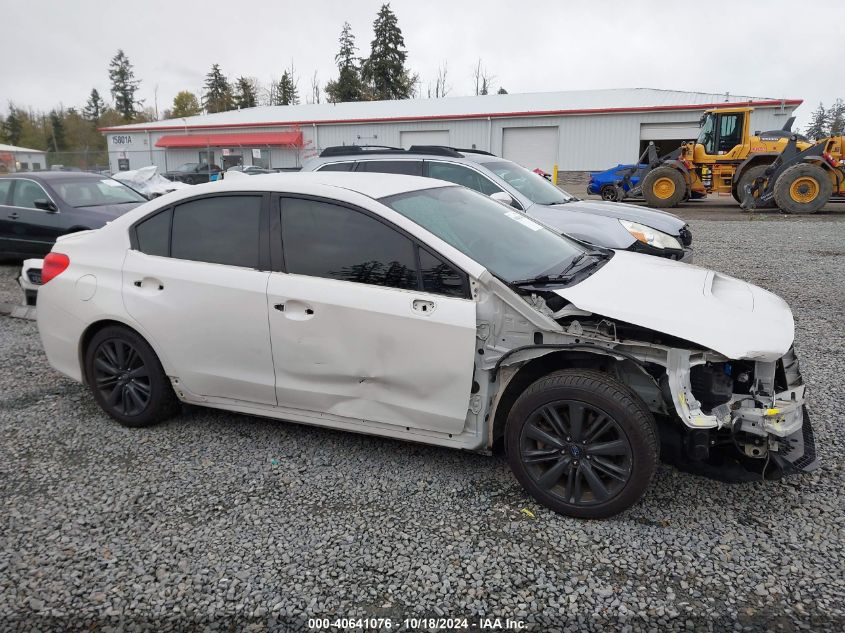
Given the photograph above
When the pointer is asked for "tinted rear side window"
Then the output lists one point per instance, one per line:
(218, 230)
(327, 240)
(337, 167)
(5, 185)
(154, 234)
(406, 167)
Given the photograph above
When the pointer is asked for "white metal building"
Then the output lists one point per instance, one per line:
(13, 158)
(577, 130)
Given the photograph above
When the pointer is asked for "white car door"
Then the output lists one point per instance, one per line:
(193, 282)
(366, 324)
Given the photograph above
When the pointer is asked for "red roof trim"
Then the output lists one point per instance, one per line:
(255, 138)
(480, 115)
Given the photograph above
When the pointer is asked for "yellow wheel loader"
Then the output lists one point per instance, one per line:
(800, 180)
(724, 159)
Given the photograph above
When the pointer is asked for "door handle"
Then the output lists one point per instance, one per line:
(13, 216)
(151, 283)
(423, 306)
(295, 310)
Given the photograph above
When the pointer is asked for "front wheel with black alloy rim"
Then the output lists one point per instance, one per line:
(664, 187)
(126, 378)
(803, 188)
(582, 444)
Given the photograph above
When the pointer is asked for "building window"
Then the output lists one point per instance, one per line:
(261, 158)
(207, 157)
(24, 166)
(36, 166)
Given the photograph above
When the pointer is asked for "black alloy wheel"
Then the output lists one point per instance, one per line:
(582, 443)
(121, 377)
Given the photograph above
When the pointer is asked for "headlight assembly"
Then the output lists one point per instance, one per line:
(650, 236)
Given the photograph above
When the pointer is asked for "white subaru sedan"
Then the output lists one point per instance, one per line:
(416, 309)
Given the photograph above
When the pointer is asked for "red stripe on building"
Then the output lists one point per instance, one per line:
(175, 141)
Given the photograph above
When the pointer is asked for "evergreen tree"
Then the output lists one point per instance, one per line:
(124, 86)
(185, 104)
(245, 93)
(384, 70)
(13, 126)
(93, 110)
(287, 93)
(501, 91)
(347, 86)
(836, 118)
(818, 123)
(57, 132)
(218, 93)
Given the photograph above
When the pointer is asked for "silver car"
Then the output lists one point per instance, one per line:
(612, 225)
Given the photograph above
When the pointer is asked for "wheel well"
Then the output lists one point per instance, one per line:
(89, 333)
(536, 369)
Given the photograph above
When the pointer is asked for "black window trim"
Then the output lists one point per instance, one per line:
(264, 228)
(277, 238)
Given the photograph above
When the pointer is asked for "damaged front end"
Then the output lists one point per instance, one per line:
(744, 419)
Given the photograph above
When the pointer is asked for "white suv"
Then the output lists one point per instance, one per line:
(413, 308)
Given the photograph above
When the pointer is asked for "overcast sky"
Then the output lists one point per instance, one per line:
(55, 52)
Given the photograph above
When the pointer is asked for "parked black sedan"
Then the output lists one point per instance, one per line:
(194, 173)
(37, 207)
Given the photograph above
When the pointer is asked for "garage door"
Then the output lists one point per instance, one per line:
(531, 147)
(424, 137)
(663, 131)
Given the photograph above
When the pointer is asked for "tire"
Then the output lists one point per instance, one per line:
(126, 378)
(749, 176)
(609, 193)
(613, 419)
(664, 187)
(803, 188)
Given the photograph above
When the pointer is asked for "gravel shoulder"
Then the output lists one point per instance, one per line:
(229, 522)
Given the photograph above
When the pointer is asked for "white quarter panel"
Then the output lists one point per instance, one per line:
(210, 319)
(729, 316)
(364, 352)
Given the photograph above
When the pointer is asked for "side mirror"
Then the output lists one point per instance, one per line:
(45, 205)
(504, 198)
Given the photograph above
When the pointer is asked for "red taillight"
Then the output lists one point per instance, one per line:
(54, 265)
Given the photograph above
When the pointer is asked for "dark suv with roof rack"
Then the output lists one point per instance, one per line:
(612, 225)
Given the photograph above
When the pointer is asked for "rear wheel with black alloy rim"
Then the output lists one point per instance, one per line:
(609, 193)
(664, 187)
(126, 378)
(582, 444)
(803, 188)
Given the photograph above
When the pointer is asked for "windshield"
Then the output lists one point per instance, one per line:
(187, 167)
(531, 185)
(95, 193)
(507, 243)
(707, 134)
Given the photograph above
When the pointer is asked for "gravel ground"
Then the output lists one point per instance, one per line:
(228, 522)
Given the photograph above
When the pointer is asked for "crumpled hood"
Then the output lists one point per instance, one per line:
(718, 312)
(659, 220)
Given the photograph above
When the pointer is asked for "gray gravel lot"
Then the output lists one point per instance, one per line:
(224, 521)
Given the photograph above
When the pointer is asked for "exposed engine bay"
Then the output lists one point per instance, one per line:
(731, 419)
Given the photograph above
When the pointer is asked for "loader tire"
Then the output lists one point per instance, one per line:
(664, 187)
(803, 188)
(748, 177)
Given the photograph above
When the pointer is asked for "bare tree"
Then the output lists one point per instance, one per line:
(314, 97)
(441, 88)
(483, 81)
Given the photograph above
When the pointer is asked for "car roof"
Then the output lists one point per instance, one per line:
(456, 155)
(372, 185)
(55, 176)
